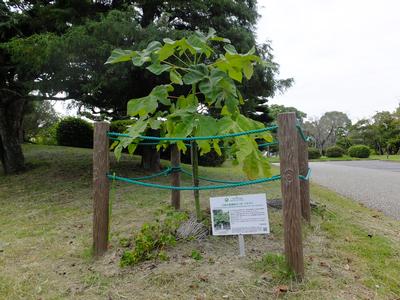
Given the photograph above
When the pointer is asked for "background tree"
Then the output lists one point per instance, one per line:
(39, 117)
(70, 41)
(25, 65)
(327, 129)
(381, 132)
(276, 109)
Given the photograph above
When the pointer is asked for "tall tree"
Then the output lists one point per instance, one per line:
(276, 109)
(24, 61)
(327, 129)
(74, 65)
(39, 116)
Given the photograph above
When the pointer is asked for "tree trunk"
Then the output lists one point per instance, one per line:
(11, 114)
(151, 159)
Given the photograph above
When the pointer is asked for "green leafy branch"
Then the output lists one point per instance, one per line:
(209, 78)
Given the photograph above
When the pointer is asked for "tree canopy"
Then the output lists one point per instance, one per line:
(326, 130)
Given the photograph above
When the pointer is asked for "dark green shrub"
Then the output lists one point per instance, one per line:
(74, 132)
(313, 153)
(360, 151)
(46, 136)
(334, 151)
(210, 159)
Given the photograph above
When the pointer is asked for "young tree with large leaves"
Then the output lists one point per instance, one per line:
(209, 81)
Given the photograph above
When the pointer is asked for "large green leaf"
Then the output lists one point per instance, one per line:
(134, 132)
(119, 55)
(250, 124)
(161, 93)
(182, 128)
(142, 106)
(153, 46)
(248, 70)
(227, 125)
(140, 59)
(166, 51)
(205, 126)
(191, 101)
(251, 166)
(235, 74)
(210, 85)
(199, 42)
(158, 68)
(175, 77)
(195, 74)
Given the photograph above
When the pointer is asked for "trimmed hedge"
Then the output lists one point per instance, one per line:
(74, 132)
(313, 153)
(334, 151)
(359, 151)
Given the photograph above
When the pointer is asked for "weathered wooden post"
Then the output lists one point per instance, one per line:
(304, 184)
(175, 176)
(101, 186)
(290, 186)
(195, 171)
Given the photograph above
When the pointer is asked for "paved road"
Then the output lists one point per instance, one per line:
(374, 183)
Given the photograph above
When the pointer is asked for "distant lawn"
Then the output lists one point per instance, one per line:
(385, 157)
(351, 252)
(342, 158)
(395, 158)
(275, 159)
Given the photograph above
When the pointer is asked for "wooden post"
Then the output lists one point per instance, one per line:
(304, 184)
(175, 176)
(195, 171)
(290, 186)
(101, 187)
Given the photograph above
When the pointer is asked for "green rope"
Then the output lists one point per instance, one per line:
(176, 169)
(303, 136)
(264, 145)
(110, 204)
(194, 138)
(190, 188)
(307, 177)
(226, 183)
(268, 144)
(210, 179)
(167, 171)
(140, 144)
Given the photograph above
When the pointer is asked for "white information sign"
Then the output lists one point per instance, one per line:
(242, 214)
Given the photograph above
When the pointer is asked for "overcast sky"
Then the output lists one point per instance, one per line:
(343, 54)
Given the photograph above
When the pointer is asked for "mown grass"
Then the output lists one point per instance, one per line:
(275, 159)
(45, 240)
(395, 158)
(386, 157)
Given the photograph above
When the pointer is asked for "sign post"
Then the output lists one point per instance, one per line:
(239, 215)
(242, 252)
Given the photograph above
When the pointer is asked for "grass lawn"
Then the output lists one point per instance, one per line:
(385, 157)
(351, 252)
(275, 159)
(395, 158)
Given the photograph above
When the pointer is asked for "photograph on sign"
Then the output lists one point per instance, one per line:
(241, 214)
